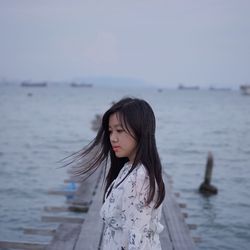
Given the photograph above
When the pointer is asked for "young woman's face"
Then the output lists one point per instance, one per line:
(123, 144)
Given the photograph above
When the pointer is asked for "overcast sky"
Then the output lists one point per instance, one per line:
(164, 42)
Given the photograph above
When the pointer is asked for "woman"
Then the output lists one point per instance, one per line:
(134, 189)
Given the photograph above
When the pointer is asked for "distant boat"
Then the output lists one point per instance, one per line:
(76, 85)
(245, 89)
(219, 89)
(34, 84)
(182, 87)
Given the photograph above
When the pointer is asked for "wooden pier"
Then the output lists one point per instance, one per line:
(84, 232)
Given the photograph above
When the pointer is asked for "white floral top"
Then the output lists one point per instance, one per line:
(130, 224)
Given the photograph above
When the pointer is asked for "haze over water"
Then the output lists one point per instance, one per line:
(38, 129)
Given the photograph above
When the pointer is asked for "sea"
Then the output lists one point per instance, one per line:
(41, 126)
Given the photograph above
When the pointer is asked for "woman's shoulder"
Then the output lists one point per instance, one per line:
(138, 179)
(141, 169)
(140, 172)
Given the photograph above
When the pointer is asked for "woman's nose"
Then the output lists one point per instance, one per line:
(113, 137)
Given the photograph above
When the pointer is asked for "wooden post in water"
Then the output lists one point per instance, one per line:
(206, 187)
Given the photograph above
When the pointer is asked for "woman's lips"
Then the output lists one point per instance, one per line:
(116, 148)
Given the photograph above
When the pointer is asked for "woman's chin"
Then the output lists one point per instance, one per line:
(119, 155)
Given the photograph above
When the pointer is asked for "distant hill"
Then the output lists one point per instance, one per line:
(114, 81)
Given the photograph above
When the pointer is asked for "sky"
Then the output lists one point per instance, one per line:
(161, 42)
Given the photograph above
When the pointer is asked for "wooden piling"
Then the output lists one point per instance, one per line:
(206, 187)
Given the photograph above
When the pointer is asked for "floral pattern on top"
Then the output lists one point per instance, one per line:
(130, 224)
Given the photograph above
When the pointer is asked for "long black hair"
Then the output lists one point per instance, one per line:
(137, 118)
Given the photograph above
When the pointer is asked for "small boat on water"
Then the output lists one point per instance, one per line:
(245, 89)
(219, 89)
(76, 85)
(34, 84)
(182, 87)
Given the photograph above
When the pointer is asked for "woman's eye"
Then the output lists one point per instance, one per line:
(120, 130)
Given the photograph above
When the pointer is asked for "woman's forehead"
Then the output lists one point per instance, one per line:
(115, 119)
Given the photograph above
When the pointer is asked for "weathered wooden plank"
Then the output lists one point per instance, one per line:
(84, 194)
(70, 181)
(39, 231)
(166, 241)
(77, 202)
(67, 234)
(75, 208)
(197, 239)
(22, 245)
(177, 229)
(81, 209)
(61, 192)
(61, 219)
(192, 226)
(65, 237)
(92, 228)
(177, 194)
(85, 191)
(182, 205)
(55, 209)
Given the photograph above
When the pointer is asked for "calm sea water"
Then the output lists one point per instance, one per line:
(39, 129)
